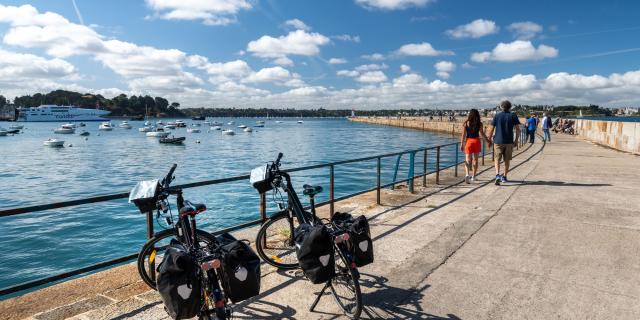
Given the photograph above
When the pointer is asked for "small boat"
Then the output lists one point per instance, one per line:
(3, 132)
(260, 122)
(13, 131)
(170, 126)
(81, 124)
(54, 143)
(216, 123)
(157, 134)
(242, 126)
(259, 126)
(125, 125)
(278, 121)
(84, 133)
(300, 121)
(105, 126)
(231, 123)
(172, 140)
(196, 124)
(180, 124)
(16, 126)
(63, 130)
(146, 129)
(193, 130)
(215, 128)
(228, 132)
(68, 126)
(247, 129)
(147, 123)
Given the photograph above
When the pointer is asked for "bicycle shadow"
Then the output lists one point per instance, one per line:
(260, 309)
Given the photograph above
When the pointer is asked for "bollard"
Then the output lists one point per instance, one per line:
(438, 165)
(424, 169)
(378, 188)
(331, 184)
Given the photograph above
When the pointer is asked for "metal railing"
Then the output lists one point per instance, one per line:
(262, 204)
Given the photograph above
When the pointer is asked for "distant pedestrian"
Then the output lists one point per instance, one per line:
(532, 124)
(471, 145)
(503, 141)
(526, 127)
(546, 126)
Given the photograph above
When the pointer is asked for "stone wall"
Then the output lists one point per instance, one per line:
(624, 136)
(419, 123)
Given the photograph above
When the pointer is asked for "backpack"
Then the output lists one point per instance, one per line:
(314, 248)
(240, 269)
(360, 244)
(178, 283)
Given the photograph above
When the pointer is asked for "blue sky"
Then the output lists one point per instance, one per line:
(345, 53)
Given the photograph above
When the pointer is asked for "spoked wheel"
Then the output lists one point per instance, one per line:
(346, 288)
(151, 253)
(275, 242)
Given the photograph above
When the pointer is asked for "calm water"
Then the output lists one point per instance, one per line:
(50, 242)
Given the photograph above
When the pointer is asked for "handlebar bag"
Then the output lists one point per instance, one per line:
(261, 179)
(144, 194)
(178, 283)
(315, 251)
(240, 269)
(360, 243)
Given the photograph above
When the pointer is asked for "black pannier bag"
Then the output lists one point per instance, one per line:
(240, 269)
(261, 179)
(178, 284)
(360, 243)
(314, 248)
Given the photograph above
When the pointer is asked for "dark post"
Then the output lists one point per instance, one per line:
(263, 207)
(438, 165)
(331, 191)
(483, 152)
(424, 169)
(151, 264)
(412, 158)
(378, 188)
(456, 169)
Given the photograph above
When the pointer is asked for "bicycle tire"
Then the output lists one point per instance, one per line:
(347, 275)
(150, 244)
(280, 255)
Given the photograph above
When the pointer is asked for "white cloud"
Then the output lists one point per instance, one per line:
(276, 75)
(210, 12)
(518, 50)
(467, 65)
(348, 73)
(346, 37)
(392, 4)
(26, 67)
(405, 68)
(525, 30)
(371, 67)
(373, 57)
(372, 77)
(444, 69)
(474, 29)
(297, 24)
(337, 61)
(297, 42)
(421, 49)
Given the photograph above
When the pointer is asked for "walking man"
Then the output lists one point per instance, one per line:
(503, 141)
(546, 126)
(532, 125)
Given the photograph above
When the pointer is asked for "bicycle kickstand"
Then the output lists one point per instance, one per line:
(315, 303)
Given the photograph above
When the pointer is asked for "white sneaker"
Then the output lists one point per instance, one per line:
(467, 179)
(473, 178)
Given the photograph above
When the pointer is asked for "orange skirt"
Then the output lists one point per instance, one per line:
(473, 146)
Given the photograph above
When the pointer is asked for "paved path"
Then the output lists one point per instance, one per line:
(561, 240)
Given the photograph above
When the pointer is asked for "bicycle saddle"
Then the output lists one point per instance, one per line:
(192, 208)
(311, 190)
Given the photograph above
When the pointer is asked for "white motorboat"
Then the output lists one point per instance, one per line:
(146, 129)
(228, 132)
(216, 123)
(231, 123)
(63, 130)
(248, 129)
(160, 122)
(193, 130)
(300, 121)
(3, 132)
(147, 123)
(68, 126)
(54, 143)
(170, 126)
(180, 124)
(242, 126)
(16, 127)
(105, 126)
(125, 125)
(278, 121)
(260, 122)
(84, 133)
(158, 134)
(216, 128)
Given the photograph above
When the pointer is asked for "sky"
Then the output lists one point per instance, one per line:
(335, 54)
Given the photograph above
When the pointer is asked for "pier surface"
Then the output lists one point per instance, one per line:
(561, 240)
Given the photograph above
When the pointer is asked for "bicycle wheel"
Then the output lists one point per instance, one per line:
(274, 242)
(345, 287)
(148, 259)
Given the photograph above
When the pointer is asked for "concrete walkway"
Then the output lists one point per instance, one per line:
(561, 240)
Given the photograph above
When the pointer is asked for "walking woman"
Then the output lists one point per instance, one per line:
(470, 143)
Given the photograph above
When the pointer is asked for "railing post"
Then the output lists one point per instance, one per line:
(331, 197)
(424, 169)
(150, 263)
(263, 207)
(412, 158)
(378, 181)
(456, 169)
(483, 151)
(438, 165)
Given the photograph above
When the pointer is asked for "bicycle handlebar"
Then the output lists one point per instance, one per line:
(167, 180)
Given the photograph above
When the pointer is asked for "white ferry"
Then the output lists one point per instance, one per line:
(51, 113)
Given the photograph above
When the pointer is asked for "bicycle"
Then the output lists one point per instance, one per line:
(204, 248)
(275, 240)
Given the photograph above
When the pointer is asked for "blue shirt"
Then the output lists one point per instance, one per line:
(503, 124)
(532, 124)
